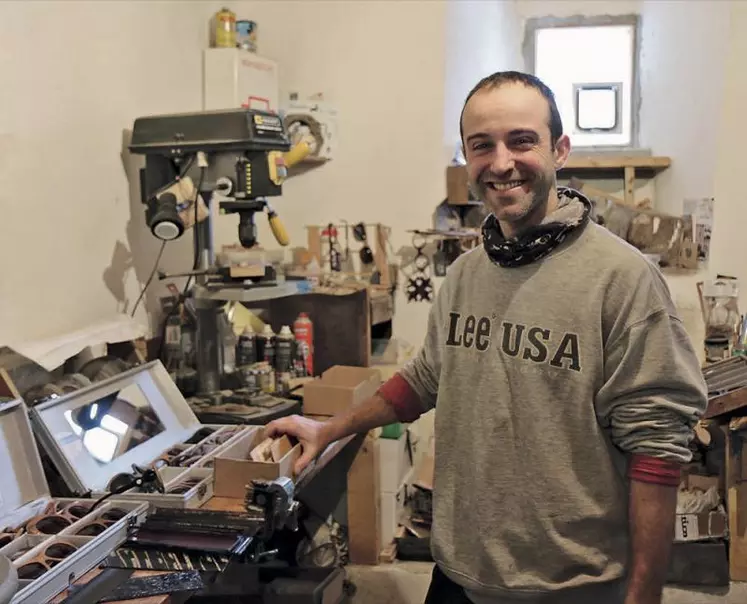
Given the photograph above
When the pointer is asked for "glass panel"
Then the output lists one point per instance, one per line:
(597, 108)
(115, 424)
(565, 56)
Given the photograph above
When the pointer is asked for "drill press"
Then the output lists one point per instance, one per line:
(237, 158)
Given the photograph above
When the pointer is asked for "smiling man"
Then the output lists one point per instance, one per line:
(565, 385)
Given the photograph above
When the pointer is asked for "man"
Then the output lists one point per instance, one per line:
(564, 383)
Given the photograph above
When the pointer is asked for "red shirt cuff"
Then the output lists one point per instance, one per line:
(399, 394)
(653, 470)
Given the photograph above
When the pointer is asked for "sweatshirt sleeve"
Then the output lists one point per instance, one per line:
(654, 391)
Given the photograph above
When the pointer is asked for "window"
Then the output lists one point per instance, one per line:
(590, 65)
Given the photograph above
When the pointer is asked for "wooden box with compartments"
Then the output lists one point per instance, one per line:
(50, 541)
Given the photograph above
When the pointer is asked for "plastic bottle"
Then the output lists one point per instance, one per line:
(228, 344)
(225, 29)
(284, 349)
(246, 349)
(303, 330)
(284, 344)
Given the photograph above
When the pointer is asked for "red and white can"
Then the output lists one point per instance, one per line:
(303, 331)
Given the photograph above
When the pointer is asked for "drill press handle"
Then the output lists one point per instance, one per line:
(277, 227)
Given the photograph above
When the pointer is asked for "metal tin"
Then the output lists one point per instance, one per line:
(143, 416)
(246, 35)
(25, 495)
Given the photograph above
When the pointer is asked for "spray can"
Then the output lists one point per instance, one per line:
(284, 357)
(246, 348)
(267, 340)
(284, 349)
(303, 330)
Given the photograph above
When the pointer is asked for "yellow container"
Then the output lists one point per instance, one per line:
(225, 29)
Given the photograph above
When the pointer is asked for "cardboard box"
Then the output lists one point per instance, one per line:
(457, 190)
(392, 511)
(394, 463)
(703, 483)
(234, 471)
(339, 388)
(700, 527)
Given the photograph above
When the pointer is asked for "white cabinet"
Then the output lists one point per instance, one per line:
(234, 77)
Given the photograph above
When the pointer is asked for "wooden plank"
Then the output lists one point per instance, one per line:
(315, 243)
(629, 197)
(736, 493)
(388, 554)
(726, 403)
(616, 162)
(364, 519)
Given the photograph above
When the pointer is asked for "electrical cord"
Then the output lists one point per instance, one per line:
(194, 267)
(150, 279)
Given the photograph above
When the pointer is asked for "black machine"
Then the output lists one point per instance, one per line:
(195, 164)
(240, 158)
(215, 557)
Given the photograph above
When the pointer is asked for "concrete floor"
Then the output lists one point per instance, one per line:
(407, 583)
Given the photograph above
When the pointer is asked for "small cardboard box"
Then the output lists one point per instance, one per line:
(234, 470)
(457, 189)
(700, 527)
(339, 388)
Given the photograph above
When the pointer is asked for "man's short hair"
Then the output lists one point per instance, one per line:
(499, 78)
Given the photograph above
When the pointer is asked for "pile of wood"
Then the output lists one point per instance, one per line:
(671, 238)
(720, 454)
(271, 450)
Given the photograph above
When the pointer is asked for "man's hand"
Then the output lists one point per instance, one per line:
(312, 435)
(315, 436)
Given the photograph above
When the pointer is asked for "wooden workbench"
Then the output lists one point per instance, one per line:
(343, 454)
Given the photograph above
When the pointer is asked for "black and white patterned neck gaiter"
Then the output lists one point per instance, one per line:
(539, 241)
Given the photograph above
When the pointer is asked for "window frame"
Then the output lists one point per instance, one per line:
(529, 51)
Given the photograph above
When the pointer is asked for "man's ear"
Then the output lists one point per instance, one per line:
(562, 151)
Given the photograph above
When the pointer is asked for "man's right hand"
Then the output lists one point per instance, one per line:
(310, 433)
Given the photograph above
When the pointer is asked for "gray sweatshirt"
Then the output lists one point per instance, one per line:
(545, 378)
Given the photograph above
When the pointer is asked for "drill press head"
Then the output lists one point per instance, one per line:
(235, 156)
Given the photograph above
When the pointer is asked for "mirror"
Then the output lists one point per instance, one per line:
(115, 424)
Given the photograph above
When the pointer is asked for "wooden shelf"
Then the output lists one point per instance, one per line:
(617, 162)
(629, 167)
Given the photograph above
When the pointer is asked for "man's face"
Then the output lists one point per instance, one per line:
(511, 162)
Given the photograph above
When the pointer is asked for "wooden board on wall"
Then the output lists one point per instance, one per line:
(342, 325)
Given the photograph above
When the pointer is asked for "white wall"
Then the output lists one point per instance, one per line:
(682, 77)
(683, 52)
(482, 37)
(730, 215)
(75, 75)
(382, 65)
